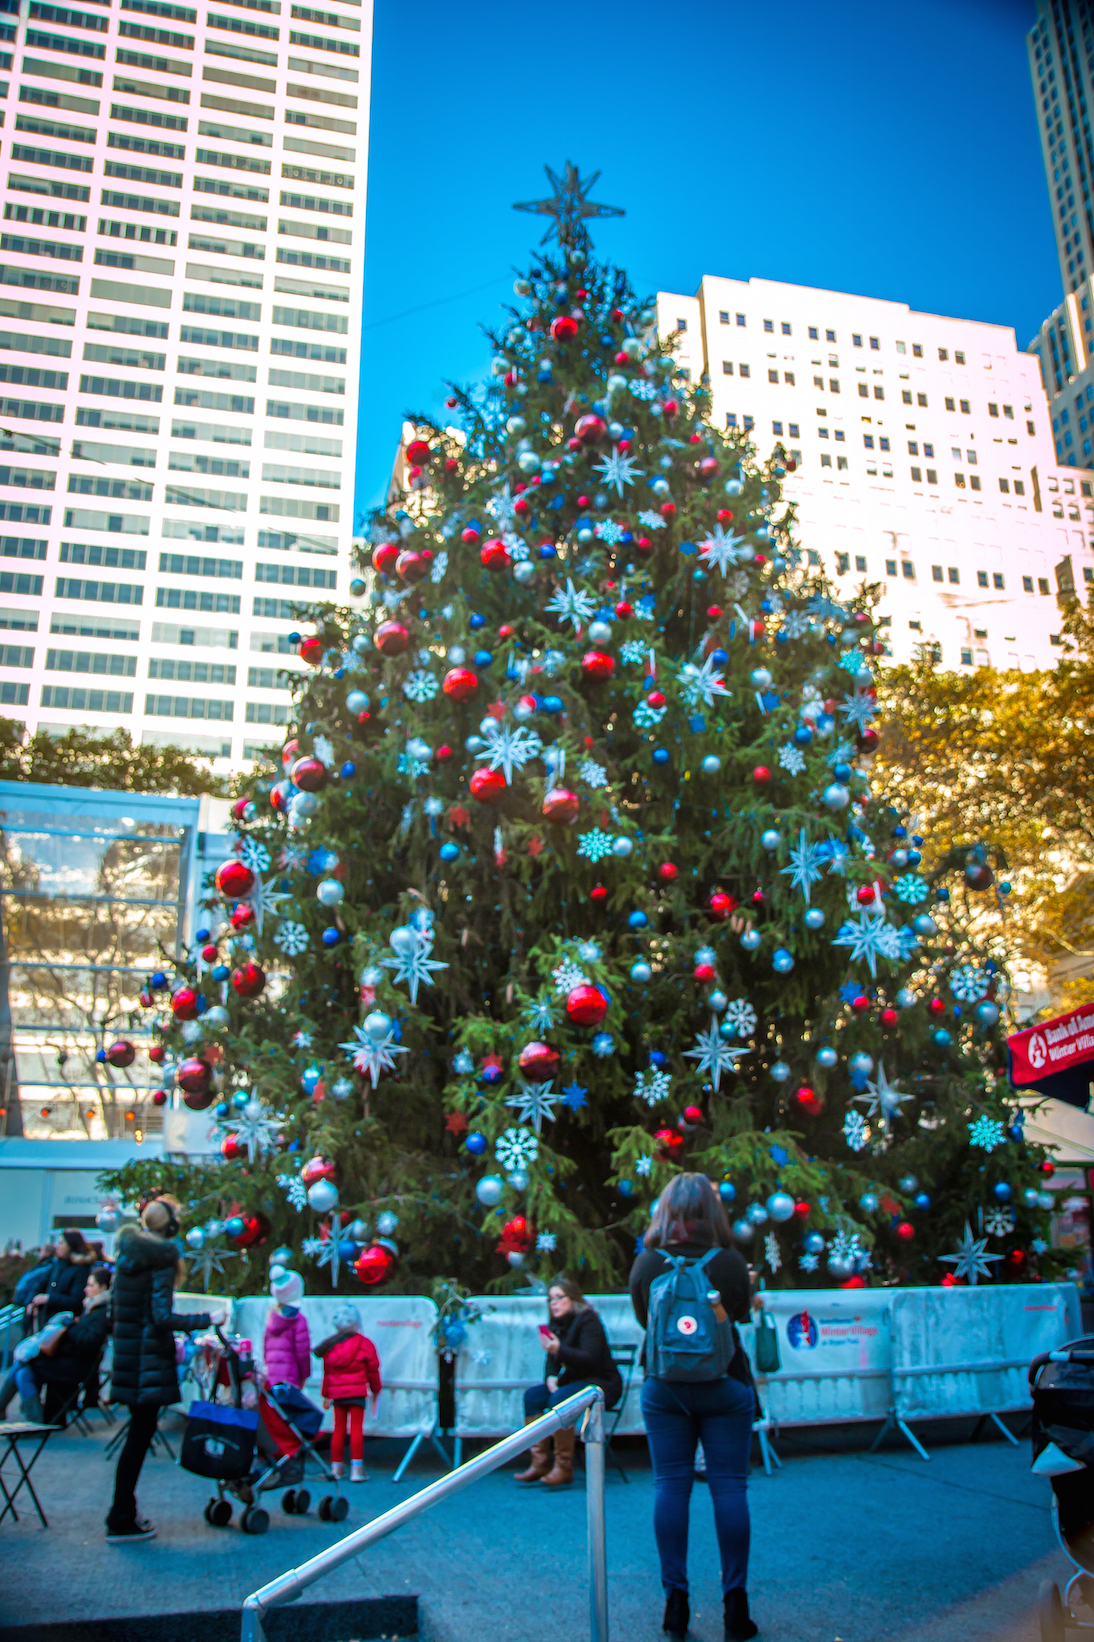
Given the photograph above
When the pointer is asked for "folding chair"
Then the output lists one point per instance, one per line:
(66, 1412)
(625, 1357)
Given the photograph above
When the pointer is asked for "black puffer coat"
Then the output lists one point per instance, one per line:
(142, 1293)
(64, 1286)
(584, 1355)
(80, 1350)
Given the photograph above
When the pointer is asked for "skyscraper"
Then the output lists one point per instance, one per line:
(180, 290)
(1061, 61)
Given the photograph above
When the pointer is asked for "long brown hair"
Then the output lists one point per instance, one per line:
(689, 1210)
(572, 1292)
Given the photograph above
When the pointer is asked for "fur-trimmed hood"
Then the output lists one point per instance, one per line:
(140, 1250)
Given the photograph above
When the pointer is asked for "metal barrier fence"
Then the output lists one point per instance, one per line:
(589, 1403)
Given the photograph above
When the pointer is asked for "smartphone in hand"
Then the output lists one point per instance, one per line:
(544, 1333)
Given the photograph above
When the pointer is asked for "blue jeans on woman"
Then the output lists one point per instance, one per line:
(537, 1398)
(678, 1415)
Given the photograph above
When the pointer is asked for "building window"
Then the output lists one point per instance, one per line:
(749, 424)
(793, 430)
(917, 350)
(917, 476)
(741, 320)
(936, 572)
(875, 344)
(1042, 586)
(822, 433)
(993, 410)
(860, 562)
(833, 385)
(974, 481)
(997, 581)
(959, 358)
(953, 575)
(856, 341)
(826, 460)
(731, 419)
(814, 334)
(913, 448)
(890, 567)
(1027, 584)
(900, 348)
(788, 376)
(813, 556)
(1008, 412)
(841, 463)
(943, 354)
(863, 391)
(843, 565)
(681, 324)
(906, 396)
(1004, 486)
(932, 476)
(769, 324)
(1031, 429)
(1054, 638)
(959, 480)
(921, 399)
(966, 658)
(744, 370)
(951, 404)
(916, 626)
(785, 328)
(727, 367)
(723, 316)
(829, 336)
(773, 376)
(965, 411)
(907, 570)
(883, 443)
(879, 392)
(777, 429)
(868, 441)
(981, 578)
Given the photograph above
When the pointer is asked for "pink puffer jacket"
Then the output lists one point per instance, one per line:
(286, 1348)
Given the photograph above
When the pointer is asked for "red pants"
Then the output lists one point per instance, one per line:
(356, 1418)
(282, 1433)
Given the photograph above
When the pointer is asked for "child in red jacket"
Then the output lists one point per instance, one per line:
(351, 1373)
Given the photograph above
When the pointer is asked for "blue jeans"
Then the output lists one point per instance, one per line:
(537, 1398)
(677, 1416)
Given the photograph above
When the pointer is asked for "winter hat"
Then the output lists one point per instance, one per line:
(286, 1287)
(347, 1317)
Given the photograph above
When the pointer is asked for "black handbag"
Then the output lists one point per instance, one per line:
(219, 1441)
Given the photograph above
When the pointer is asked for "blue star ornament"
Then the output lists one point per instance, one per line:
(805, 864)
(575, 1096)
(713, 1055)
(970, 1260)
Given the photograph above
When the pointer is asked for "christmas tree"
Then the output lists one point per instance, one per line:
(575, 875)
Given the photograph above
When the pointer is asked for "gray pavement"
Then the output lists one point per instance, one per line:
(847, 1547)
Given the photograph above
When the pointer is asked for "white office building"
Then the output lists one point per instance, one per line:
(925, 458)
(181, 263)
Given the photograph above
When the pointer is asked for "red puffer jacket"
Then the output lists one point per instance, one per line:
(351, 1366)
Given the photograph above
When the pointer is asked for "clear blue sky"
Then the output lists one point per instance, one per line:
(889, 150)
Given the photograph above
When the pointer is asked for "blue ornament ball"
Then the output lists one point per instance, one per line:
(814, 918)
(780, 1206)
(869, 1202)
(780, 1071)
(348, 770)
(922, 1202)
(476, 621)
(751, 939)
(220, 972)
(827, 1056)
(475, 1143)
(1001, 1192)
(942, 1037)
(924, 924)
(986, 1012)
(625, 1188)
(489, 1190)
(814, 1243)
(782, 961)
(861, 1063)
(233, 1226)
(450, 851)
(660, 755)
(711, 764)
(641, 972)
(727, 1191)
(836, 796)
(842, 772)
(803, 735)
(637, 920)
(331, 936)
(942, 894)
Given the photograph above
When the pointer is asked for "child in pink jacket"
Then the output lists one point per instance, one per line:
(351, 1374)
(286, 1347)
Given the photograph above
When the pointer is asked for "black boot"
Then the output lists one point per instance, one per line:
(677, 1614)
(739, 1627)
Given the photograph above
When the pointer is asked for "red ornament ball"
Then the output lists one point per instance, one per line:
(590, 429)
(538, 1062)
(412, 565)
(289, 752)
(241, 915)
(668, 872)
(469, 534)
(495, 555)
(487, 786)
(417, 452)
(384, 556)
(443, 754)
(249, 980)
(1047, 1168)
(889, 1018)
(560, 805)
(199, 1100)
(669, 1142)
(460, 682)
(564, 328)
(596, 665)
(374, 1265)
(869, 741)
(159, 1097)
(656, 698)
(905, 1231)
(232, 1148)
(310, 649)
(233, 879)
(193, 1075)
(721, 905)
(802, 1209)
(586, 1005)
(600, 893)
(761, 775)
(184, 1003)
(936, 1006)
(209, 953)
(704, 972)
(309, 774)
(256, 1228)
(860, 1004)
(865, 895)
(239, 808)
(391, 638)
(693, 1115)
(808, 1101)
(318, 1168)
(121, 1053)
(157, 1054)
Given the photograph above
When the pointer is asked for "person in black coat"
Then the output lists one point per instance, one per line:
(143, 1375)
(578, 1355)
(63, 1286)
(76, 1358)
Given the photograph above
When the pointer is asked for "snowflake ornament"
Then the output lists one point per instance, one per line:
(294, 1189)
(540, 1014)
(771, 1252)
(414, 966)
(292, 858)
(986, 1132)
(608, 531)
(618, 470)
(911, 889)
(546, 1242)
(713, 1055)
(439, 568)
(741, 1016)
(969, 983)
(254, 854)
(646, 717)
(855, 1131)
(571, 605)
(533, 1103)
(643, 1166)
(805, 863)
(643, 388)
(311, 1247)
(652, 1086)
(567, 975)
(574, 1096)
(809, 1262)
(593, 774)
(420, 686)
(595, 845)
(502, 507)
(632, 651)
(510, 747)
(999, 1222)
(651, 520)
(791, 758)
(516, 1148)
(858, 710)
(796, 625)
(292, 938)
(701, 684)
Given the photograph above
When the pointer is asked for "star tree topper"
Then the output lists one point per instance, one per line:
(569, 206)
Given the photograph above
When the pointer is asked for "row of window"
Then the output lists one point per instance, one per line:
(116, 665)
(77, 698)
(787, 329)
(906, 395)
(132, 594)
(64, 624)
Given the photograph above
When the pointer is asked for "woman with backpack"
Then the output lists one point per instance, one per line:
(688, 1288)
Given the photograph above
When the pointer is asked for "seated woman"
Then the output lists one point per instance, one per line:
(76, 1358)
(578, 1356)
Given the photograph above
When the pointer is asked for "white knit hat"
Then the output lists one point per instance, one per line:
(286, 1287)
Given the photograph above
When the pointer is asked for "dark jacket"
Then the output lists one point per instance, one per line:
(728, 1274)
(143, 1374)
(64, 1286)
(31, 1283)
(584, 1355)
(81, 1348)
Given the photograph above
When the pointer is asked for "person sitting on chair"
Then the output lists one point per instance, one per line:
(578, 1356)
(77, 1355)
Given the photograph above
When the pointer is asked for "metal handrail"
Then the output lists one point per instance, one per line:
(289, 1585)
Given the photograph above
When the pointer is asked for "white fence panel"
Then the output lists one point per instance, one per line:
(835, 1352)
(966, 1350)
(503, 1355)
(400, 1327)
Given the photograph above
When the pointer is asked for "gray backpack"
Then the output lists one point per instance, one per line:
(684, 1339)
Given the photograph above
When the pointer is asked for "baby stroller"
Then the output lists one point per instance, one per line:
(1062, 1386)
(221, 1442)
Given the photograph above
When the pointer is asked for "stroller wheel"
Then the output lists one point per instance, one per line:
(207, 1513)
(288, 1501)
(303, 1500)
(339, 1509)
(1050, 1612)
(220, 1512)
(323, 1508)
(254, 1520)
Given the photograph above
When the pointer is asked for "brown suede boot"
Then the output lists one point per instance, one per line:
(541, 1460)
(562, 1471)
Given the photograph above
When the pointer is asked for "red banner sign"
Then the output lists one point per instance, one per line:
(1053, 1046)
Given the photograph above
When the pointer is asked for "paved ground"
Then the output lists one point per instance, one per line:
(847, 1547)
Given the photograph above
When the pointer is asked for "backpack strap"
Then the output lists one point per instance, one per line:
(700, 1265)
